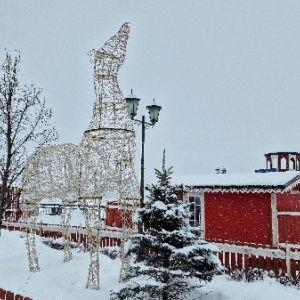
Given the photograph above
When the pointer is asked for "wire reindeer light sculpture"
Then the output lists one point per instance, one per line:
(102, 162)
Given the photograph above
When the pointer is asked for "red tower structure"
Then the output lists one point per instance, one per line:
(282, 161)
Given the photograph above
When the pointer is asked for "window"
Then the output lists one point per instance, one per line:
(292, 164)
(195, 210)
(283, 163)
(269, 164)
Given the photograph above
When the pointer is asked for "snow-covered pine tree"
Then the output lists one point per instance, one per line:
(169, 259)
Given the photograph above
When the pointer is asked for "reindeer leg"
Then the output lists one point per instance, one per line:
(30, 212)
(93, 232)
(65, 221)
(127, 231)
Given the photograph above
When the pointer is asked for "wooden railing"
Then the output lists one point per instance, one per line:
(283, 260)
(110, 236)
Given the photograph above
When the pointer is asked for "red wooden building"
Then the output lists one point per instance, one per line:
(261, 209)
(240, 212)
(13, 211)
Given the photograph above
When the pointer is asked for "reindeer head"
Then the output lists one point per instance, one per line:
(108, 59)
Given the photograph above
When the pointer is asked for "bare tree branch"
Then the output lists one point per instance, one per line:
(24, 124)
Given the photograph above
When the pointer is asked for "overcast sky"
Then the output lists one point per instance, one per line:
(227, 73)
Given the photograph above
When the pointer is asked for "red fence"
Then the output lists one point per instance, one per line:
(285, 260)
(278, 260)
(8, 295)
(109, 237)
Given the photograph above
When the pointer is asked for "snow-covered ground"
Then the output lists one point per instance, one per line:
(58, 280)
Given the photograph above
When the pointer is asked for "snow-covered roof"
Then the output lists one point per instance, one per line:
(278, 182)
(153, 103)
(111, 197)
(51, 201)
(282, 152)
(132, 96)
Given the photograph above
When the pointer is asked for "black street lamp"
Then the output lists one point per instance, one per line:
(153, 108)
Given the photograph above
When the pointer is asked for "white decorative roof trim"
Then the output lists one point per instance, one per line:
(293, 184)
(282, 182)
(236, 190)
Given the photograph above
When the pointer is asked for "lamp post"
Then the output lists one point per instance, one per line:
(153, 109)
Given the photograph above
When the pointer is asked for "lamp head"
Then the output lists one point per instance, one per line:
(133, 103)
(154, 110)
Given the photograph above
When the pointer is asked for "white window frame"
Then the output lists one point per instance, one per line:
(275, 236)
(202, 214)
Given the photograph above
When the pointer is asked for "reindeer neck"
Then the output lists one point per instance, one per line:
(110, 109)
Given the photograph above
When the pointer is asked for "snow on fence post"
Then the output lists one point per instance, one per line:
(288, 259)
(243, 261)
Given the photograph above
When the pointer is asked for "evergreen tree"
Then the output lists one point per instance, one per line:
(169, 258)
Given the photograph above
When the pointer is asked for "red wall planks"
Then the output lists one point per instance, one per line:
(288, 225)
(238, 218)
(288, 202)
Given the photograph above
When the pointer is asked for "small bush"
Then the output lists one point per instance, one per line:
(236, 273)
(111, 252)
(286, 279)
(253, 274)
(249, 275)
(58, 244)
(271, 274)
